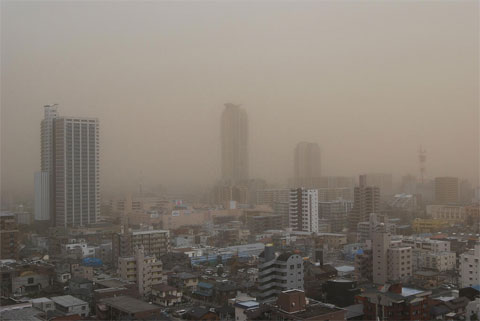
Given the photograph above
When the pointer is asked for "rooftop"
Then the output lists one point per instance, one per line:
(67, 300)
(128, 304)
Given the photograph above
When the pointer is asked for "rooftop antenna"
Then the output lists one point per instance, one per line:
(422, 159)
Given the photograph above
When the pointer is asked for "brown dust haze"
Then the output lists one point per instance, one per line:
(368, 81)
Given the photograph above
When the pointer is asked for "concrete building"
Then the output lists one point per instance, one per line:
(234, 144)
(9, 236)
(394, 302)
(470, 267)
(70, 305)
(451, 213)
(77, 171)
(328, 194)
(366, 200)
(42, 196)
(306, 165)
(272, 196)
(278, 273)
(365, 229)
(303, 210)
(154, 242)
(335, 213)
(446, 190)
(69, 176)
(146, 271)
(391, 260)
(126, 307)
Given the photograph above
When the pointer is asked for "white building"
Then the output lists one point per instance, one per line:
(42, 196)
(303, 210)
(473, 308)
(74, 244)
(470, 267)
(392, 262)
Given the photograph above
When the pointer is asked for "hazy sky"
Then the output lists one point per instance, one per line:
(368, 81)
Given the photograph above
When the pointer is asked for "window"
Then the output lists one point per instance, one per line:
(292, 266)
(30, 280)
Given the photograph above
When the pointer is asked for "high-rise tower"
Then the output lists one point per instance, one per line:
(69, 179)
(234, 140)
(306, 164)
(366, 200)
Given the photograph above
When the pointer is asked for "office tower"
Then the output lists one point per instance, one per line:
(76, 171)
(392, 262)
(42, 199)
(8, 236)
(366, 200)
(306, 165)
(446, 190)
(278, 273)
(142, 269)
(234, 145)
(335, 213)
(303, 210)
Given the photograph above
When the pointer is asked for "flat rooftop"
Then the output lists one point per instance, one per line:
(67, 300)
(128, 304)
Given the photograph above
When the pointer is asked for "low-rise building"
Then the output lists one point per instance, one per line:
(166, 295)
(70, 305)
(121, 307)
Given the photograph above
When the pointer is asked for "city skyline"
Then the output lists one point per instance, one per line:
(359, 127)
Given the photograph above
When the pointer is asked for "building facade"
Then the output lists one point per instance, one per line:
(145, 270)
(303, 210)
(234, 144)
(278, 273)
(470, 267)
(446, 190)
(366, 200)
(306, 165)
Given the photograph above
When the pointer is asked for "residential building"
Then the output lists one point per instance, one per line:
(126, 307)
(328, 194)
(145, 270)
(70, 305)
(306, 165)
(391, 260)
(278, 273)
(9, 236)
(272, 196)
(384, 181)
(76, 171)
(303, 210)
(294, 305)
(366, 200)
(261, 223)
(365, 229)
(154, 242)
(234, 144)
(431, 254)
(446, 190)
(470, 267)
(394, 302)
(166, 295)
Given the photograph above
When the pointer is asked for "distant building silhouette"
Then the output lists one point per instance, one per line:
(234, 144)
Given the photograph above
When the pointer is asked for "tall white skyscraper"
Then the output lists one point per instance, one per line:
(76, 150)
(303, 210)
(69, 178)
(43, 180)
(234, 144)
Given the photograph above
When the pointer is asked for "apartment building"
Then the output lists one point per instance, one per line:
(154, 242)
(144, 270)
(335, 213)
(303, 210)
(9, 235)
(391, 260)
(366, 200)
(278, 273)
(470, 267)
